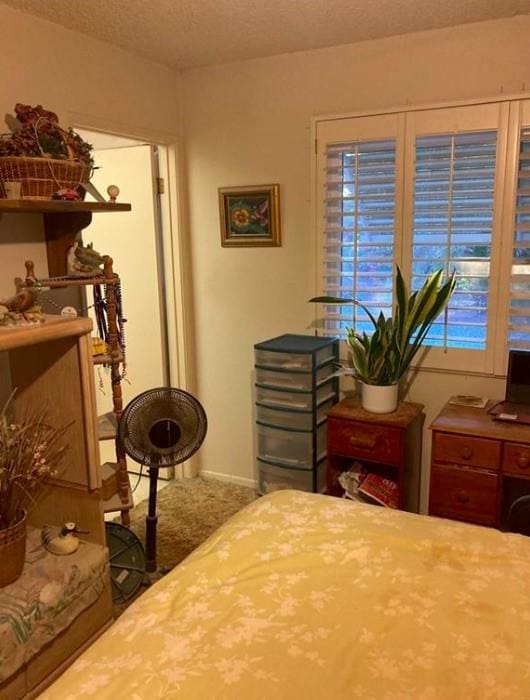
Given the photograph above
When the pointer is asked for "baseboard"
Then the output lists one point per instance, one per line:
(240, 480)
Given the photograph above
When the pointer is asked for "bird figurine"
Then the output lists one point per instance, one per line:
(81, 260)
(61, 540)
(22, 302)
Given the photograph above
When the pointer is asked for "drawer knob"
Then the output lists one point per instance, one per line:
(466, 452)
(462, 496)
(522, 462)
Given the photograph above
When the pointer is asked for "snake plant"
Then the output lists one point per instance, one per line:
(383, 357)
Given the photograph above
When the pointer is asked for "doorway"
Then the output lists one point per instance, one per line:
(135, 242)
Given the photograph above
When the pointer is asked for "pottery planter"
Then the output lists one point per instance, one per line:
(12, 551)
(379, 399)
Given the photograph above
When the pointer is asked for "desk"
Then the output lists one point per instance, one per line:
(479, 466)
(388, 441)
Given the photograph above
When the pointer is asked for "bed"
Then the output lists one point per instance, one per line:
(308, 596)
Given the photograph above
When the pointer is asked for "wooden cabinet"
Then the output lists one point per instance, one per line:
(474, 459)
(390, 443)
(50, 366)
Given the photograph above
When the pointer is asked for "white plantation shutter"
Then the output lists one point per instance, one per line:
(519, 312)
(428, 189)
(452, 228)
(359, 230)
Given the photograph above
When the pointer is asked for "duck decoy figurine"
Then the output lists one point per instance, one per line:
(61, 540)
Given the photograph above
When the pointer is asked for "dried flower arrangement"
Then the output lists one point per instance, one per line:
(36, 133)
(30, 454)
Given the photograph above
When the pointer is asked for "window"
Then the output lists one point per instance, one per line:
(519, 311)
(359, 232)
(452, 229)
(427, 189)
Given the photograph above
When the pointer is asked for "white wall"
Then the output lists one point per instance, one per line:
(81, 79)
(249, 123)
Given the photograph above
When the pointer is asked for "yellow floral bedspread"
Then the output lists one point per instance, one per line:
(303, 596)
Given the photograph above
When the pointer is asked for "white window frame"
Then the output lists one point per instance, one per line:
(506, 115)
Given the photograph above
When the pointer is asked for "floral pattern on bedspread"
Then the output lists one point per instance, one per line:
(306, 596)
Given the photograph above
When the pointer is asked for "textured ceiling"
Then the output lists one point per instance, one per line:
(187, 33)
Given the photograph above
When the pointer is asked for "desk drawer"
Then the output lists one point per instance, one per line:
(463, 494)
(462, 449)
(516, 459)
(364, 441)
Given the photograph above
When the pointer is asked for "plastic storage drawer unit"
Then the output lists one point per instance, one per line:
(295, 389)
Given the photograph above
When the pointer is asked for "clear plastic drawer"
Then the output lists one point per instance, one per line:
(292, 400)
(293, 380)
(272, 478)
(289, 447)
(291, 360)
(295, 420)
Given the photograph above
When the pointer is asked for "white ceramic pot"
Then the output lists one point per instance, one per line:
(379, 399)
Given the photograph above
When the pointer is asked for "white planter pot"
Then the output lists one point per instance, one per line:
(379, 399)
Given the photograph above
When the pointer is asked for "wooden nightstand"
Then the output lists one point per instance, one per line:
(390, 442)
(478, 466)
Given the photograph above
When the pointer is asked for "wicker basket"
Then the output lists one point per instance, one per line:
(12, 551)
(41, 177)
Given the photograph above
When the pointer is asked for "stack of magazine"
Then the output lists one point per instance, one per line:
(359, 484)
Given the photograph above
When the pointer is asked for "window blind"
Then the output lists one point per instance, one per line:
(519, 314)
(452, 228)
(359, 231)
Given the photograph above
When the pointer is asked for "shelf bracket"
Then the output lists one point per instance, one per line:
(61, 230)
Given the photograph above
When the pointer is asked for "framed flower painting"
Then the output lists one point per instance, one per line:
(250, 216)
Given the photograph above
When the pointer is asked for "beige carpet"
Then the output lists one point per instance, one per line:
(189, 510)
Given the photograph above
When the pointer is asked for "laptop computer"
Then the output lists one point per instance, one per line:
(516, 405)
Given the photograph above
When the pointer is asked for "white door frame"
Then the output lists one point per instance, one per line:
(176, 283)
(176, 248)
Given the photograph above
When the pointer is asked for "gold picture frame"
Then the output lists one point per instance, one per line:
(250, 216)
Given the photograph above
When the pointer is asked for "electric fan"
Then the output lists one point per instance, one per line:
(160, 428)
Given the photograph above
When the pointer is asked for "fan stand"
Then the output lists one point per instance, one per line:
(151, 522)
(160, 428)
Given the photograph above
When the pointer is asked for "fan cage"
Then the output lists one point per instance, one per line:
(156, 405)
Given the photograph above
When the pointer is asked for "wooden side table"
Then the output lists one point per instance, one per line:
(391, 441)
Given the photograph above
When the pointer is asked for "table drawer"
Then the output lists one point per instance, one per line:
(462, 449)
(364, 441)
(463, 494)
(516, 459)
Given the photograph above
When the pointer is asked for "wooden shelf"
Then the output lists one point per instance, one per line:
(51, 206)
(63, 221)
(53, 328)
